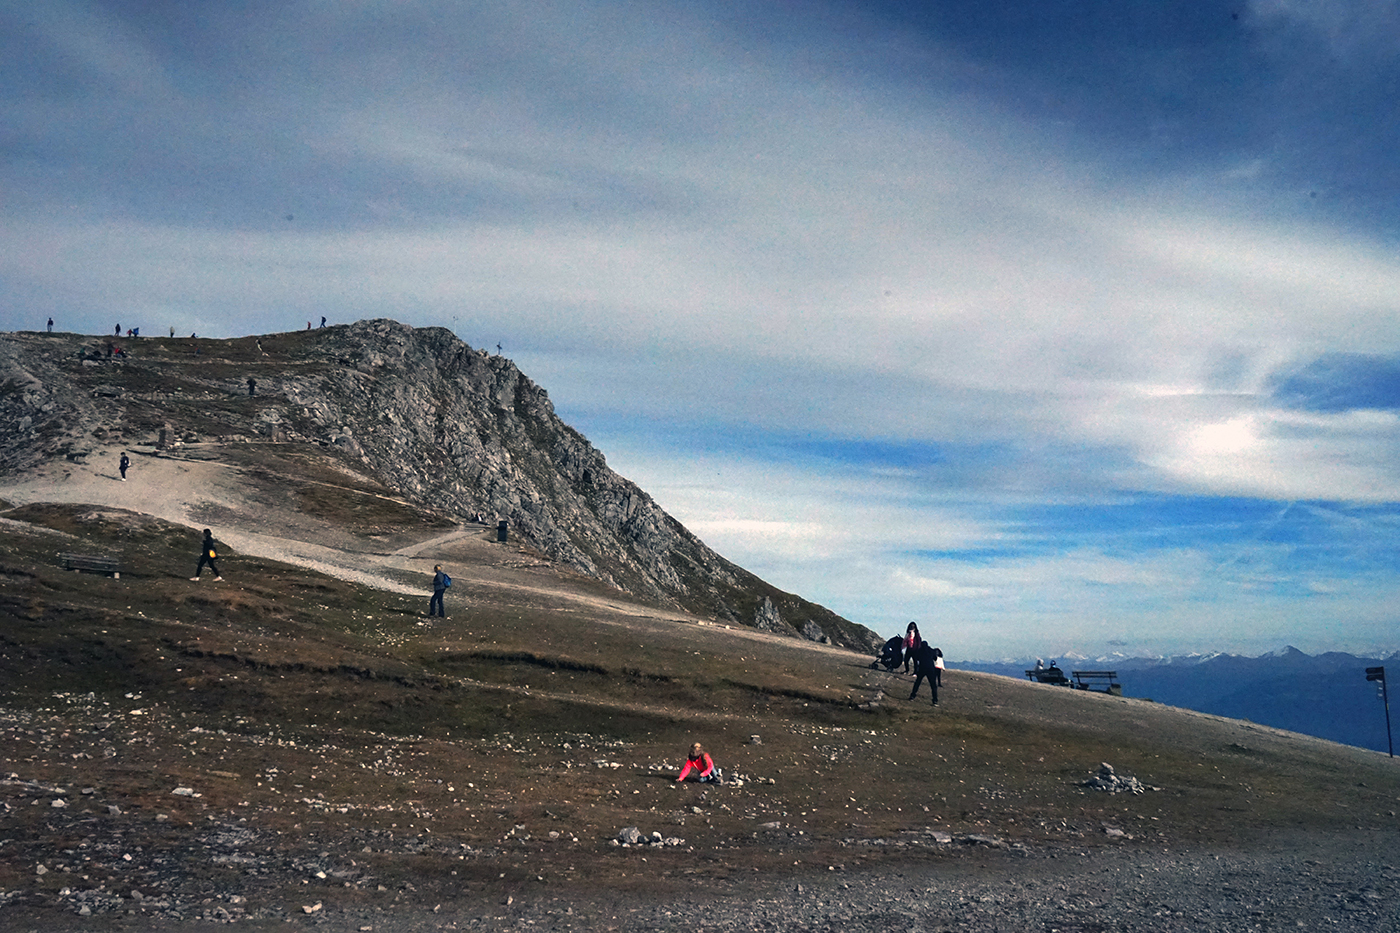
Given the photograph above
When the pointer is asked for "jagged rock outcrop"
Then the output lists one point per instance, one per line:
(446, 425)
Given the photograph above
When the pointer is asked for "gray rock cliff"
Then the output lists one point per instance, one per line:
(448, 426)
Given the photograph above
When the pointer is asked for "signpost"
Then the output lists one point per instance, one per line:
(1378, 673)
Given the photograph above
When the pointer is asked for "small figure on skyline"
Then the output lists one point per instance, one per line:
(117, 332)
(323, 320)
(51, 325)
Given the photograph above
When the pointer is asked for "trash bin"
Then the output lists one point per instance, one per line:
(501, 527)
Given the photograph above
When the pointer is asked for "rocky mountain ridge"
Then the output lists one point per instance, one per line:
(451, 428)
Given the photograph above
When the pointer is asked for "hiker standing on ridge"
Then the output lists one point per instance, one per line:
(124, 464)
(441, 582)
(912, 641)
(925, 662)
(207, 555)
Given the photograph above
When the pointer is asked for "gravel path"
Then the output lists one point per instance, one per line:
(1348, 882)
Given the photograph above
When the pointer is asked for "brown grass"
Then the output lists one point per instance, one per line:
(320, 717)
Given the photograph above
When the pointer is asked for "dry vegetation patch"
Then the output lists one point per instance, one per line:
(284, 739)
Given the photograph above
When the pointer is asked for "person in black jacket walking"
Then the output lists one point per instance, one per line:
(207, 555)
(925, 661)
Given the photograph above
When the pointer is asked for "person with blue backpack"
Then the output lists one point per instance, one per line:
(441, 582)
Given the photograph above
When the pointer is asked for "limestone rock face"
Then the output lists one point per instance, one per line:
(454, 428)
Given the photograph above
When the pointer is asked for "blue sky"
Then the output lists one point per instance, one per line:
(1057, 327)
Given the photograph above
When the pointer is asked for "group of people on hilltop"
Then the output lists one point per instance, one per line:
(912, 650)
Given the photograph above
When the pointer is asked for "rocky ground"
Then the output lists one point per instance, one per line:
(298, 746)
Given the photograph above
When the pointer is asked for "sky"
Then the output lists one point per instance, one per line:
(1057, 328)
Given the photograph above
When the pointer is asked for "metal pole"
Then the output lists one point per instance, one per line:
(1385, 698)
(1378, 673)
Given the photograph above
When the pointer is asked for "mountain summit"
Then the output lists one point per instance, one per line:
(453, 430)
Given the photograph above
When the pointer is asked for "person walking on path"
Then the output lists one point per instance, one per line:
(207, 555)
(700, 762)
(925, 662)
(441, 582)
(124, 464)
(252, 387)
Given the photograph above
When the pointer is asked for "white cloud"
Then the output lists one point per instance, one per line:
(908, 582)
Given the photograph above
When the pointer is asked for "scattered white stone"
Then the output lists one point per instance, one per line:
(184, 792)
(59, 802)
(312, 909)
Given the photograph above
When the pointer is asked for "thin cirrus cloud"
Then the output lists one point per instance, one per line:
(1027, 323)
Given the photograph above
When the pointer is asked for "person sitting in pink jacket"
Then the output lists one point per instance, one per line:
(703, 766)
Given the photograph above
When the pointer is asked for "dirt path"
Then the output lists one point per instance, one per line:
(189, 491)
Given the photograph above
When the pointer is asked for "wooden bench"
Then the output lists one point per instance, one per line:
(1048, 675)
(92, 563)
(1102, 681)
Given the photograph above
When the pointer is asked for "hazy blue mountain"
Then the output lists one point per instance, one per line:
(1326, 695)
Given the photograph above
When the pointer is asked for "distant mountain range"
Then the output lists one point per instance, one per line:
(1326, 695)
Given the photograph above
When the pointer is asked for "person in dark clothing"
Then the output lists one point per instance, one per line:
(441, 582)
(912, 640)
(937, 668)
(925, 661)
(207, 555)
(891, 655)
(252, 386)
(124, 464)
(51, 325)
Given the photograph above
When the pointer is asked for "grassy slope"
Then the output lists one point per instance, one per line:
(339, 730)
